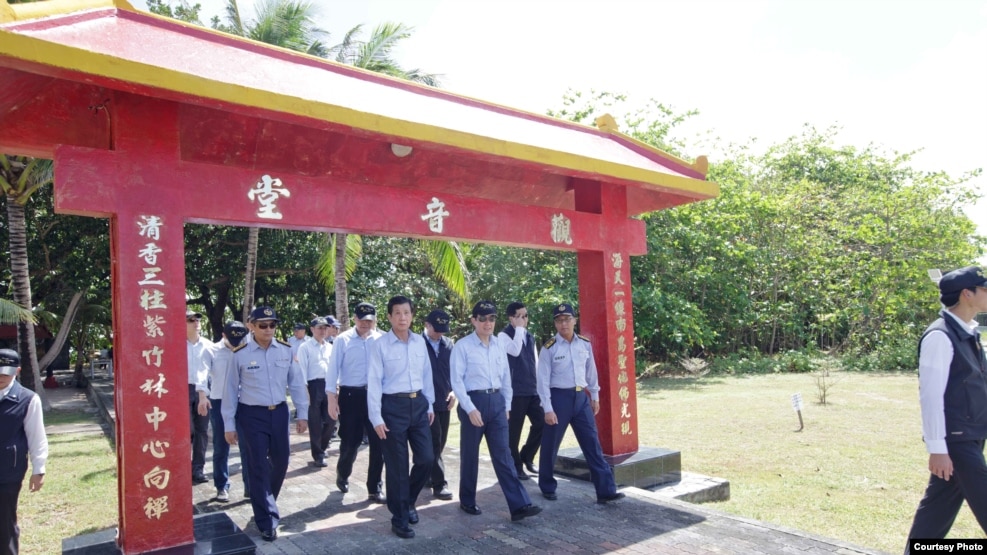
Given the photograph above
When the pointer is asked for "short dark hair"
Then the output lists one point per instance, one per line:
(514, 307)
(400, 299)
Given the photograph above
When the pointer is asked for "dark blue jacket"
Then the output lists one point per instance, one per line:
(441, 375)
(965, 399)
(523, 368)
(13, 439)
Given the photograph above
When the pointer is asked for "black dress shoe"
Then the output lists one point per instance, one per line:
(550, 495)
(405, 532)
(342, 485)
(530, 467)
(412, 516)
(269, 535)
(377, 497)
(470, 509)
(321, 463)
(199, 478)
(524, 512)
(443, 494)
(606, 499)
(521, 475)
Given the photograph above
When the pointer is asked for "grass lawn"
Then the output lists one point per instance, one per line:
(856, 472)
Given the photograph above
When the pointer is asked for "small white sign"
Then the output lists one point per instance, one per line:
(797, 402)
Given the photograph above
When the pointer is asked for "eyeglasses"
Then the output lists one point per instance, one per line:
(270, 326)
(192, 320)
(489, 318)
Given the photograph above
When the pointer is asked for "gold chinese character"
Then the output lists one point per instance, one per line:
(618, 308)
(622, 377)
(151, 387)
(152, 300)
(625, 428)
(157, 448)
(617, 279)
(622, 362)
(617, 260)
(621, 324)
(156, 506)
(155, 352)
(152, 326)
(156, 417)
(157, 477)
(624, 393)
(625, 411)
(621, 343)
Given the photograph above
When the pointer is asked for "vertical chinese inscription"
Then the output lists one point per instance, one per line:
(625, 340)
(153, 302)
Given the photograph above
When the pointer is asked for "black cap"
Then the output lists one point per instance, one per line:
(319, 321)
(332, 321)
(562, 310)
(483, 308)
(964, 278)
(299, 326)
(263, 313)
(235, 332)
(189, 313)
(439, 320)
(365, 311)
(10, 361)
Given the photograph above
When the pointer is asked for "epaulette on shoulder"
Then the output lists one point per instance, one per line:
(583, 337)
(548, 344)
(285, 343)
(240, 346)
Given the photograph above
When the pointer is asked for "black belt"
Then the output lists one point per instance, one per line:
(410, 395)
(363, 387)
(485, 391)
(313, 380)
(577, 388)
(268, 407)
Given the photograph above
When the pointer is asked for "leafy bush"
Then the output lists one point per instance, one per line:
(892, 355)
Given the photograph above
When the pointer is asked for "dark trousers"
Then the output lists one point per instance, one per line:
(573, 408)
(407, 424)
(199, 431)
(264, 437)
(353, 424)
(9, 531)
(525, 406)
(220, 449)
(440, 432)
(943, 499)
(321, 428)
(493, 412)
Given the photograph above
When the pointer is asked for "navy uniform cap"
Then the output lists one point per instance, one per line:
(263, 313)
(563, 309)
(332, 321)
(439, 320)
(320, 321)
(235, 332)
(299, 326)
(964, 278)
(365, 311)
(10, 361)
(484, 308)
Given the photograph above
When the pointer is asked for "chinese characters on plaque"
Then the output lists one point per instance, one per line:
(625, 340)
(266, 193)
(436, 213)
(153, 302)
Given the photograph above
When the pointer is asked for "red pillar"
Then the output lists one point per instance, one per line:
(605, 316)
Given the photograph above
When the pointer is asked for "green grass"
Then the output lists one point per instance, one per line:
(79, 495)
(856, 472)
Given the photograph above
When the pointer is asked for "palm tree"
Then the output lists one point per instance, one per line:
(12, 313)
(20, 177)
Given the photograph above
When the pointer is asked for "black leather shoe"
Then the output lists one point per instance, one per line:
(269, 535)
(550, 495)
(377, 497)
(530, 467)
(321, 463)
(199, 478)
(342, 485)
(406, 532)
(443, 494)
(524, 512)
(521, 475)
(609, 498)
(470, 509)
(412, 516)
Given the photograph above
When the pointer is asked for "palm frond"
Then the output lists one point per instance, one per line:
(449, 266)
(326, 266)
(12, 313)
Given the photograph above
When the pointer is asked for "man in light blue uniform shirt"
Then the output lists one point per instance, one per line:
(219, 365)
(313, 359)
(259, 374)
(346, 389)
(481, 380)
(566, 372)
(399, 400)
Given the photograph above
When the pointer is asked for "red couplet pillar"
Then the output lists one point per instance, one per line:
(605, 316)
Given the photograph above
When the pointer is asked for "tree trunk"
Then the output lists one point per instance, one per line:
(30, 373)
(63, 333)
(342, 302)
(251, 275)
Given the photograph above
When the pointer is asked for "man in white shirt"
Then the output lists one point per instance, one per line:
(313, 358)
(199, 351)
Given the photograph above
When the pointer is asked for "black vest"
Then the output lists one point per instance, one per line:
(441, 380)
(13, 439)
(523, 371)
(965, 399)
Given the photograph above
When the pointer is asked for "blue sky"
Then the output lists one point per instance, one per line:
(901, 74)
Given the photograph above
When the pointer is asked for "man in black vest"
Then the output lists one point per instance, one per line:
(439, 349)
(522, 357)
(953, 395)
(22, 432)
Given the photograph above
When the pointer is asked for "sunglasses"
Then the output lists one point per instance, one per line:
(269, 326)
(192, 320)
(488, 318)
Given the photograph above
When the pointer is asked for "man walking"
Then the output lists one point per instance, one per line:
(952, 374)
(566, 372)
(520, 347)
(199, 351)
(439, 350)
(219, 365)
(313, 358)
(399, 397)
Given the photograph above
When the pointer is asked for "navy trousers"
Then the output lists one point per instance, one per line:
(264, 437)
(321, 428)
(525, 406)
(492, 410)
(9, 531)
(440, 432)
(354, 422)
(573, 408)
(407, 425)
(199, 431)
(943, 499)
